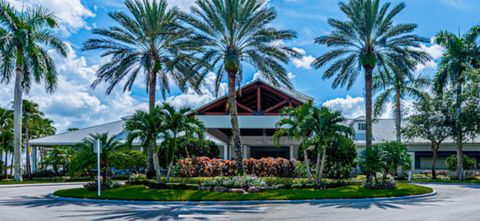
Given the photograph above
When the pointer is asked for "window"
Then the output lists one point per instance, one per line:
(362, 126)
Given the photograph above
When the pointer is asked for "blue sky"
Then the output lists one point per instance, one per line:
(76, 105)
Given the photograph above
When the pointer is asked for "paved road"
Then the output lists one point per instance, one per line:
(453, 202)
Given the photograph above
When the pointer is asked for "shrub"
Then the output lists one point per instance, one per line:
(341, 159)
(47, 173)
(468, 163)
(137, 179)
(92, 186)
(388, 184)
(206, 167)
(236, 182)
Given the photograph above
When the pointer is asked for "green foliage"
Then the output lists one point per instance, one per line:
(128, 160)
(341, 158)
(194, 147)
(137, 179)
(468, 163)
(60, 156)
(384, 158)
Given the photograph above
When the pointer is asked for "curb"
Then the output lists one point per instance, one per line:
(252, 202)
(39, 184)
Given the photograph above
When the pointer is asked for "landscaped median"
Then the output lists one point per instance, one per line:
(142, 193)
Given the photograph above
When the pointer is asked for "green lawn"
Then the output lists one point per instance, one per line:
(142, 193)
(447, 181)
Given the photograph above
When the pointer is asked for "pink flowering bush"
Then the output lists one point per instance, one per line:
(206, 167)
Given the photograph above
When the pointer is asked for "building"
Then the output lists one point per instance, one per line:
(259, 106)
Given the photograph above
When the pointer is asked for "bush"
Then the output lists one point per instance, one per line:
(92, 186)
(206, 167)
(468, 163)
(341, 159)
(236, 182)
(137, 179)
(153, 184)
(47, 173)
(388, 184)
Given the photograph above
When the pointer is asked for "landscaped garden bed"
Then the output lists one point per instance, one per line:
(139, 192)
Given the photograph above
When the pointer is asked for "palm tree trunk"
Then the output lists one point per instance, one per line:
(170, 165)
(152, 86)
(17, 118)
(307, 166)
(11, 165)
(398, 116)
(434, 160)
(5, 172)
(368, 109)
(232, 106)
(27, 151)
(368, 104)
(156, 163)
(322, 165)
(459, 135)
(317, 168)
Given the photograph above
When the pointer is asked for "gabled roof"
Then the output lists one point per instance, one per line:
(271, 98)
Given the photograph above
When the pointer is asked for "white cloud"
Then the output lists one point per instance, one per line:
(435, 51)
(351, 107)
(461, 4)
(192, 100)
(71, 13)
(305, 61)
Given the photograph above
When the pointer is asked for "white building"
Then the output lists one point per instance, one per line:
(258, 106)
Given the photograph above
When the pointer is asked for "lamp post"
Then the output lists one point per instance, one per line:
(98, 149)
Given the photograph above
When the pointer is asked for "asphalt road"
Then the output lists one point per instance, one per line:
(453, 202)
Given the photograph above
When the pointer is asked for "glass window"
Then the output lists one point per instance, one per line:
(362, 126)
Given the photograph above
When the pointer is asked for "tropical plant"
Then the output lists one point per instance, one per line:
(178, 125)
(85, 159)
(342, 158)
(59, 156)
(294, 124)
(147, 128)
(24, 37)
(468, 163)
(230, 33)
(395, 87)
(34, 125)
(367, 40)
(145, 42)
(6, 136)
(460, 57)
(395, 156)
(430, 123)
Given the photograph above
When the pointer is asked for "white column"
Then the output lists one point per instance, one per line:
(225, 152)
(34, 159)
(245, 151)
(292, 157)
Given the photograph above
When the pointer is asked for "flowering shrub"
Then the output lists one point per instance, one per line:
(388, 184)
(236, 182)
(137, 179)
(206, 167)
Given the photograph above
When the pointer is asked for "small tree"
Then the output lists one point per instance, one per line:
(468, 163)
(429, 123)
(384, 158)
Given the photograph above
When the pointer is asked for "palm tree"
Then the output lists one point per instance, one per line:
(326, 128)
(145, 42)
(395, 87)
(295, 124)
(230, 33)
(24, 37)
(108, 143)
(461, 55)
(146, 127)
(367, 40)
(178, 125)
(6, 135)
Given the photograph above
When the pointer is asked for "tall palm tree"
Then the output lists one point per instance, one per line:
(178, 125)
(145, 42)
(146, 127)
(231, 33)
(24, 37)
(367, 40)
(395, 87)
(462, 54)
(108, 143)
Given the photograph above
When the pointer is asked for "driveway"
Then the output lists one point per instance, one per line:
(453, 202)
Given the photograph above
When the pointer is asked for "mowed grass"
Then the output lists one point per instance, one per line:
(143, 193)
